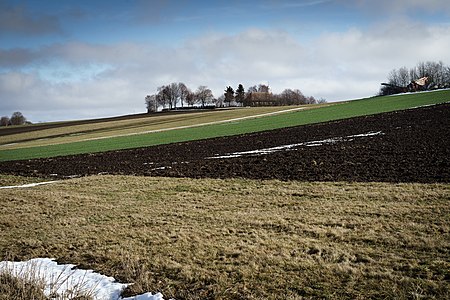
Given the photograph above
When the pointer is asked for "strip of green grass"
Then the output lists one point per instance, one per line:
(333, 112)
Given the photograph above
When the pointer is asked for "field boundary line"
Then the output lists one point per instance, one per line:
(197, 125)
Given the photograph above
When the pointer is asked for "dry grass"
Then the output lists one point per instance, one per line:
(10, 180)
(12, 287)
(28, 284)
(240, 239)
(74, 133)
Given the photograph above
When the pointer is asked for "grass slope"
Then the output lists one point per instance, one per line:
(239, 239)
(13, 137)
(332, 112)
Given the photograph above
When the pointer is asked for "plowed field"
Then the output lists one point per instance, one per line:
(403, 146)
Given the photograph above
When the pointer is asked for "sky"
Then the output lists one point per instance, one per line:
(78, 59)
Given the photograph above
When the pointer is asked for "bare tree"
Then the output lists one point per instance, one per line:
(311, 100)
(413, 74)
(421, 69)
(262, 88)
(152, 103)
(446, 75)
(4, 121)
(220, 101)
(403, 76)
(17, 118)
(252, 89)
(190, 98)
(292, 97)
(435, 72)
(184, 92)
(163, 96)
(393, 78)
(204, 95)
(175, 93)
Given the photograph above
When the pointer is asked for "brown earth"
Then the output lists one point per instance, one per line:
(403, 146)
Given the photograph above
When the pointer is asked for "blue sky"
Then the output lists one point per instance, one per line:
(68, 59)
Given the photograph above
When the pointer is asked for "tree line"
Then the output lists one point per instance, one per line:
(260, 95)
(435, 75)
(177, 95)
(17, 118)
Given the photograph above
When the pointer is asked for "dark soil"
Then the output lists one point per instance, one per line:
(413, 146)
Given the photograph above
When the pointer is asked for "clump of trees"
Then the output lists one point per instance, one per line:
(178, 95)
(260, 95)
(17, 118)
(404, 79)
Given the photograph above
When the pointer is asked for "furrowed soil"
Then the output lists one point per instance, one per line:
(402, 146)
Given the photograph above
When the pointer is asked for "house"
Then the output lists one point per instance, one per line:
(418, 84)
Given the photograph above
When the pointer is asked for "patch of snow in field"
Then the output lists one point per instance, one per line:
(291, 146)
(10, 144)
(365, 134)
(434, 104)
(418, 92)
(62, 279)
(28, 185)
(161, 168)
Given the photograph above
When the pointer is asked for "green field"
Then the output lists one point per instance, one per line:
(127, 139)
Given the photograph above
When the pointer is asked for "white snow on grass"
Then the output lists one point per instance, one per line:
(65, 280)
(291, 146)
(427, 105)
(418, 92)
(28, 185)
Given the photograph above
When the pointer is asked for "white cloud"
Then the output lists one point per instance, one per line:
(103, 80)
(400, 6)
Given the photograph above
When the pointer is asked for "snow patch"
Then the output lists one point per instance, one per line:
(427, 105)
(10, 144)
(63, 279)
(418, 92)
(28, 185)
(161, 168)
(291, 146)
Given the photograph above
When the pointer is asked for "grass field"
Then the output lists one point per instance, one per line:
(73, 131)
(73, 143)
(239, 239)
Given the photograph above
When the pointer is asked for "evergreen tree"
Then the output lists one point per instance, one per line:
(240, 94)
(229, 95)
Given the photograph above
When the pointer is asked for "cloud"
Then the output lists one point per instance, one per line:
(40, 100)
(292, 4)
(19, 19)
(91, 80)
(17, 57)
(400, 6)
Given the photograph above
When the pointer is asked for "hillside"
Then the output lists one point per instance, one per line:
(172, 128)
(344, 235)
(400, 146)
